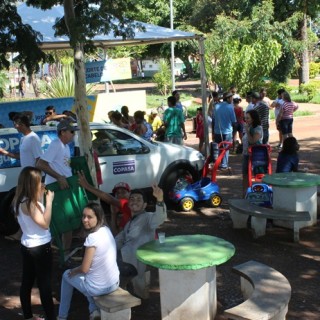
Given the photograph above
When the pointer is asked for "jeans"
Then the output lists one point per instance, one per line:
(217, 139)
(37, 264)
(265, 138)
(78, 282)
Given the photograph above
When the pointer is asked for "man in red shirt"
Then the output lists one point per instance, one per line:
(120, 212)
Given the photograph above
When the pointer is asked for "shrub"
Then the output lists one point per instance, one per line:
(163, 78)
(308, 89)
(273, 87)
(314, 69)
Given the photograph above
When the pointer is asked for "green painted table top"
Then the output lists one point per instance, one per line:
(292, 179)
(187, 252)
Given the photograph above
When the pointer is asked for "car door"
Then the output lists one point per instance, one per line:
(122, 157)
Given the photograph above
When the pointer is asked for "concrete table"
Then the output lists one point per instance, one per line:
(295, 191)
(187, 273)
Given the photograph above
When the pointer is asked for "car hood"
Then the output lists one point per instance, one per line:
(180, 152)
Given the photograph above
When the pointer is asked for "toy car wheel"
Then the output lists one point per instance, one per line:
(186, 204)
(215, 200)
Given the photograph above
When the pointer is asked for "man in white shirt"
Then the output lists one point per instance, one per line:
(55, 162)
(30, 146)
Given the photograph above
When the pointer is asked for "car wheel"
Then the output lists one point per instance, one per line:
(8, 222)
(169, 180)
(215, 200)
(186, 204)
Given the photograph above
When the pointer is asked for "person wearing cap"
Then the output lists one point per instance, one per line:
(118, 203)
(263, 111)
(224, 121)
(154, 120)
(55, 162)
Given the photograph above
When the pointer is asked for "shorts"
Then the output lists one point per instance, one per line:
(286, 126)
(245, 163)
(174, 139)
(238, 127)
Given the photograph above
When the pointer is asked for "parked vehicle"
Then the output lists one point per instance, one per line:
(123, 156)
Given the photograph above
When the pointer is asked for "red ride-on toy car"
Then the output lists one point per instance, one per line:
(206, 189)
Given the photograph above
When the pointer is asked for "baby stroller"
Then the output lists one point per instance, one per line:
(259, 164)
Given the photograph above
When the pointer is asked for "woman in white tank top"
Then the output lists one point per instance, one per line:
(34, 220)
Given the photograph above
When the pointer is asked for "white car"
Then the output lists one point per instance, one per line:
(123, 156)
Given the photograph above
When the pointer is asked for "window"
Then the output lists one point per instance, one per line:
(113, 142)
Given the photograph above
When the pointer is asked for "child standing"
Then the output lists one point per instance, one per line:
(238, 128)
(200, 128)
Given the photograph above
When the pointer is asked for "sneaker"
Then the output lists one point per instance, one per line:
(95, 315)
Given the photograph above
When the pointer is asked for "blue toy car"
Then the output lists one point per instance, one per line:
(185, 194)
(260, 194)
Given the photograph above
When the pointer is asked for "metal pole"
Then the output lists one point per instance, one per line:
(204, 94)
(172, 49)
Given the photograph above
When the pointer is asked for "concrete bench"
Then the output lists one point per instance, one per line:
(241, 209)
(116, 305)
(266, 292)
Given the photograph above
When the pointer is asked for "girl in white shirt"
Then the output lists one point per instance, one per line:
(98, 274)
(34, 220)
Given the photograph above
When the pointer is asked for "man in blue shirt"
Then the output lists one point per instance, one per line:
(224, 120)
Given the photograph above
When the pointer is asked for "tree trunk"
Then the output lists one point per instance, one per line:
(34, 83)
(188, 65)
(85, 140)
(304, 66)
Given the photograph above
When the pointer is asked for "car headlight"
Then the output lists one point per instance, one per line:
(200, 156)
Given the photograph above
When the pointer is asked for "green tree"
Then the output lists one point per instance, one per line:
(163, 78)
(242, 51)
(82, 21)
(17, 37)
(306, 8)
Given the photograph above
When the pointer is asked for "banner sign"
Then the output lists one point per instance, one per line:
(108, 70)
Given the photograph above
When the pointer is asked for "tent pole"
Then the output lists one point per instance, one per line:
(172, 49)
(204, 94)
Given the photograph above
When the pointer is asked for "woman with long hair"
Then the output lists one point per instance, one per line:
(288, 158)
(253, 135)
(285, 117)
(98, 274)
(34, 220)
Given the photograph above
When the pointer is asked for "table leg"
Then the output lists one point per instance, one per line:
(296, 199)
(188, 294)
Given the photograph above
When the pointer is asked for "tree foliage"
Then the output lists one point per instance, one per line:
(18, 37)
(242, 52)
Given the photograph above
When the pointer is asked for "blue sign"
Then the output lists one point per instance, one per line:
(95, 71)
(123, 167)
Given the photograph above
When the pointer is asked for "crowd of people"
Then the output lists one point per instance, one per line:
(251, 124)
(110, 251)
(168, 128)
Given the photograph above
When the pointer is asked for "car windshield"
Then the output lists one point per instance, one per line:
(107, 142)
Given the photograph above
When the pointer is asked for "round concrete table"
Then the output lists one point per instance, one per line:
(187, 273)
(295, 191)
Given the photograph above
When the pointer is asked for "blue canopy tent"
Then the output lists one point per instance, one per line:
(44, 20)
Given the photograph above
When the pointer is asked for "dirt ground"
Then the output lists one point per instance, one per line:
(299, 262)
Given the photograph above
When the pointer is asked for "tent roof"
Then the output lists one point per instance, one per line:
(43, 21)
